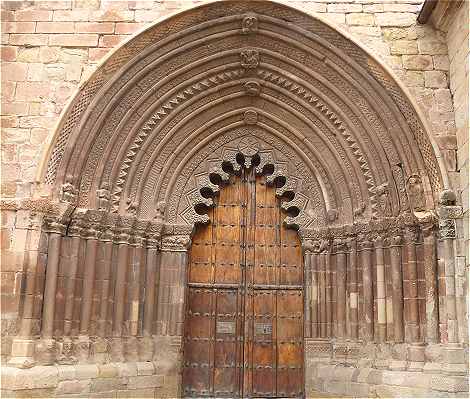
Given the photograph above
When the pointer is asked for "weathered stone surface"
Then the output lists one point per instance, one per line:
(418, 62)
(435, 79)
(395, 19)
(147, 381)
(110, 384)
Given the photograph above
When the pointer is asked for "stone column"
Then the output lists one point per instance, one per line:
(397, 287)
(341, 289)
(368, 301)
(107, 248)
(329, 293)
(56, 230)
(151, 276)
(410, 287)
(353, 295)
(380, 291)
(137, 261)
(322, 292)
(307, 246)
(430, 276)
(174, 259)
(87, 294)
(67, 354)
(100, 345)
(120, 295)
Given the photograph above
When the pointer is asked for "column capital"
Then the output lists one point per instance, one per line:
(176, 243)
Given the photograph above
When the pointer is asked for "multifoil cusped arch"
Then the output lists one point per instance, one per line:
(169, 108)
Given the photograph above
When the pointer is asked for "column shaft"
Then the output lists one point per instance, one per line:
(368, 302)
(152, 259)
(397, 288)
(430, 276)
(381, 305)
(120, 290)
(341, 292)
(50, 285)
(88, 283)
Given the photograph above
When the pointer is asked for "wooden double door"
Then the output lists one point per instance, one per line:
(243, 335)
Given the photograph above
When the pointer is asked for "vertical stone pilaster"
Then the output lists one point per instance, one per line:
(33, 243)
(451, 307)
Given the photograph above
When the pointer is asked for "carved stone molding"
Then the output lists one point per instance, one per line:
(248, 155)
(302, 79)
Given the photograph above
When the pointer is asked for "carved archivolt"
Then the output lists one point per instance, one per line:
(167, 110)
(248, 155)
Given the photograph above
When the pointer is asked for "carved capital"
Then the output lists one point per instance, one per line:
(310, 246)
(396, 240)
(447, 229)
(53, 225)
(176, 243)
(411, 234)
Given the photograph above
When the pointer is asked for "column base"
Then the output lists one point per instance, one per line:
(22, 353)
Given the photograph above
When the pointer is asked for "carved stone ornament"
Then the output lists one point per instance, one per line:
(447, 228)
(243, 157)
(68, 192)
(274, 80)
(249, 58)
(104, 197)
(249, 24)
(250, 117)
(383, 200)
(176, 243)
(416, 193)
(252, 88)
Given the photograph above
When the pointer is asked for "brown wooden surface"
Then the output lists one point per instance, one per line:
(244, 311)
